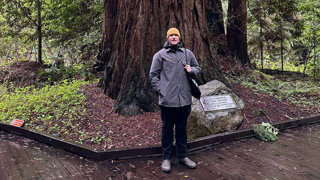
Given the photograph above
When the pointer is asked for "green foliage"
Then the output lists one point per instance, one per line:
(12, 47)
(70, 19)
(288, 66)
(18, 20)
(69, 28)
(285, 32)
(270, 23)
(290, 90)
(266, 131)
(310, 11)
(57, 106)
(59, 72)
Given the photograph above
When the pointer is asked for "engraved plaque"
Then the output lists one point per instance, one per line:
(218, 102)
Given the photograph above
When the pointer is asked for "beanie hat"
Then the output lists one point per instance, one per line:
(173, 31)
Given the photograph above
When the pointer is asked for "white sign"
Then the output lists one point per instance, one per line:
(218, 102)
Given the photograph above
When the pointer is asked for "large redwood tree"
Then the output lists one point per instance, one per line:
(237, 30)
(133, 30)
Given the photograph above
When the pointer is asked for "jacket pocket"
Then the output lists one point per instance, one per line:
(162, 100)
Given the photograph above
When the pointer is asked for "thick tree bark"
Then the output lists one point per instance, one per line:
(133, 30)
(237, 30)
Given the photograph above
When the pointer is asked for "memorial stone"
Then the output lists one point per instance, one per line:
(218, 110)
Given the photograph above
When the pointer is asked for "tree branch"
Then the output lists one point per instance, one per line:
(26, 14)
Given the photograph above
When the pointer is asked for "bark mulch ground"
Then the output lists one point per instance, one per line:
(145, 129)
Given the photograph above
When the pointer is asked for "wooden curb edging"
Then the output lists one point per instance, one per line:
(146, 151)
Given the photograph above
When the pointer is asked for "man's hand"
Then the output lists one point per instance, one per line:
(187, 68)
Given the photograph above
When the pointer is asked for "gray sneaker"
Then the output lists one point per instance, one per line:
(188, 162)
(166, 166)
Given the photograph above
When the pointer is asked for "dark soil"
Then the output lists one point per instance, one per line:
(21, 73)
(145, 129)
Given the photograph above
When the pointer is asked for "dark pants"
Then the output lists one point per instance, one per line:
(178, 117)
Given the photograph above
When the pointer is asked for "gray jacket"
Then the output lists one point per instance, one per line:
(168, 77)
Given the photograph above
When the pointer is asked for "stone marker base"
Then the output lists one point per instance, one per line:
(214, 112)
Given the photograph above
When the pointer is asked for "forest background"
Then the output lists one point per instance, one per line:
(49, 58)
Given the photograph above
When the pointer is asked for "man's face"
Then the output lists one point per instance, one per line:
(173, 39)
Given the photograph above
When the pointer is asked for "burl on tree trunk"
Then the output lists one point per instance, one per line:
(134, 30)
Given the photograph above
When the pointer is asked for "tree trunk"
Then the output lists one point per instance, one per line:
(39, 25)
(134, 30)
(281, 47)
(237, 30)
(261, 41)
(314, 54)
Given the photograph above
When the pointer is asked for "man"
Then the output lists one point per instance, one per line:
(168, 75)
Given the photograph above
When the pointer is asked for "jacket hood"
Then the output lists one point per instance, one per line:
(167, 45)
